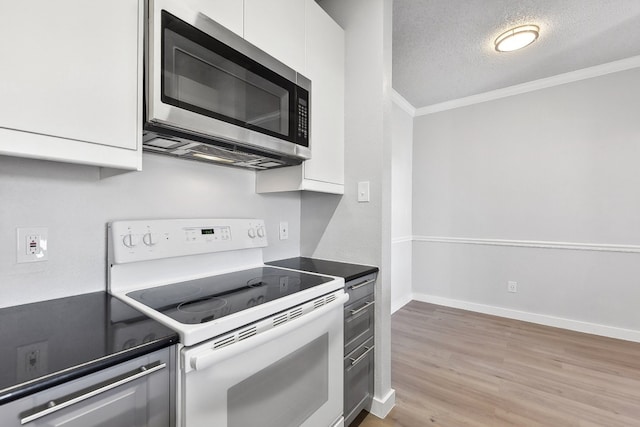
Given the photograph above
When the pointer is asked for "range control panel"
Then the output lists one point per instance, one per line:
(131, 241)
(207, 234)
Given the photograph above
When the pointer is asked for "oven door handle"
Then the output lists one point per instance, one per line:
(212, 356)
(92, 391)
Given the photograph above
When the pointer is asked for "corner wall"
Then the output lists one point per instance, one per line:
(401, 219)
(539, 188)
(340, 228)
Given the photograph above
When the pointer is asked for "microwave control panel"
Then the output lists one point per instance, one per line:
(303, 117)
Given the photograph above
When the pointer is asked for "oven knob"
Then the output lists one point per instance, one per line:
(130, 240)
(148, 239)
(260, 232)
(252, 233)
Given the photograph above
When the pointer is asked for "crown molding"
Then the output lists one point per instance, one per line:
(403, 103)
(560, 79)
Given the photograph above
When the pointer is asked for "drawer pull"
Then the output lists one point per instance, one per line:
(73, 398)
(363, 308)
(357, 360)
(359, 285)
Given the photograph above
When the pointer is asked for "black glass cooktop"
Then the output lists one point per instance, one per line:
(209, 298)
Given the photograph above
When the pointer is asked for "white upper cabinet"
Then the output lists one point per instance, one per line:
(324, 65)
(325, 68)
(71, 81)
(229, 13)
(278, 28)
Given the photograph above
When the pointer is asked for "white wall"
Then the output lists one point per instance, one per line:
(340, 228)
(75, 205)
(401, 192)
(543, 173)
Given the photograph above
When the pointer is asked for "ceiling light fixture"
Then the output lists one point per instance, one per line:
(517, 38)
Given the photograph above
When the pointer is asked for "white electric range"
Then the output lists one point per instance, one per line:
(260, 345)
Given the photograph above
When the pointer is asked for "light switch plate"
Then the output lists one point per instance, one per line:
(32, 244)
(363, 191)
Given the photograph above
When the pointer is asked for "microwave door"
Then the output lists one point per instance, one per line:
(204, 87)
(207, 83)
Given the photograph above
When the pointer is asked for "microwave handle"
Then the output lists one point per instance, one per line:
(211, 356)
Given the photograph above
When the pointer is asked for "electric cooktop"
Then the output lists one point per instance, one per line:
(209, 298)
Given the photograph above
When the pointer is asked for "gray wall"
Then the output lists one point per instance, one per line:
(75, 204)
(340, 228)
(401, 223)
(544, 170)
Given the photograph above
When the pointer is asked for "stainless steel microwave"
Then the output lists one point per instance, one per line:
(212, 96)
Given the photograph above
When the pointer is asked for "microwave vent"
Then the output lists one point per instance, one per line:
(236, 156)
(165, 143)
(214, 154)
(222, 154)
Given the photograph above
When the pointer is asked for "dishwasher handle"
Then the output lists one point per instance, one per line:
(211, 356)
(73, 398)
(356, 360)
(363, 308)
(359, 285)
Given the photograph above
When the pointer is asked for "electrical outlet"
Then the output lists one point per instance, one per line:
(284, 230)
(32, 360)
(32, 244)
(512, 286)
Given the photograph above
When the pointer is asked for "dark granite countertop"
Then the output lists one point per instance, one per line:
(321, 266)
(51, 342)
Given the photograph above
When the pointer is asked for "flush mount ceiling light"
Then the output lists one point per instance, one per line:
(517, 38)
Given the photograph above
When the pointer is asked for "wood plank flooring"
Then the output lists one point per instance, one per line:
(457, 368)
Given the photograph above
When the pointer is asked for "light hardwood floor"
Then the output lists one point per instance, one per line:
(457, 368)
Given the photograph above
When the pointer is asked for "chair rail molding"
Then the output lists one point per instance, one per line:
(578, 246)
(402, 239)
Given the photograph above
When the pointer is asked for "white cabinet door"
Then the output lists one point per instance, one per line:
(277, 27)
(229, 13)
(71, 76)
(325, 68)
(324, 65)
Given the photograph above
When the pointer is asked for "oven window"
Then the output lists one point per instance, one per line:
(285, 393)
(202, 75)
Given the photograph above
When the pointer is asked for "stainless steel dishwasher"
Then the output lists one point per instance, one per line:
(136, 393)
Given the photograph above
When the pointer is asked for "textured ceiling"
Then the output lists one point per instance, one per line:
(443, 49)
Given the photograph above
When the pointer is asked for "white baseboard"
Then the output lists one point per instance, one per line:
(400, 302)
(542, 319)
(380, 407)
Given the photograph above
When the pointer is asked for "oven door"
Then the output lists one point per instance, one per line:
(290, 375)
(204, 79)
